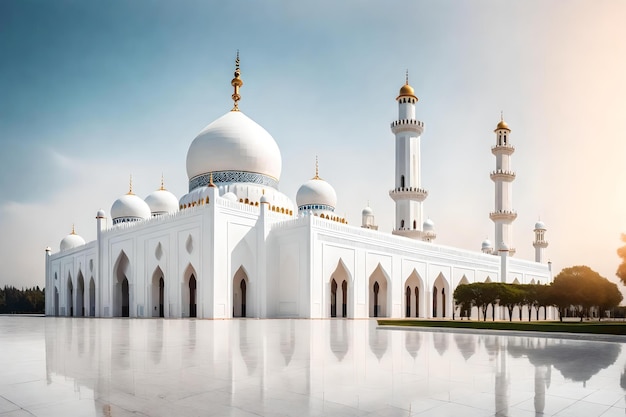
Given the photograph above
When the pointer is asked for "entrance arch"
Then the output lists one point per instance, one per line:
(158, 293)
(240, 293)
(121, 301)
(339, 287)
(189, 293)
(80, 296)
(92, 298)
(70, 296)
(412, 293)
(378, 285)
(440, 297)
(56, 301)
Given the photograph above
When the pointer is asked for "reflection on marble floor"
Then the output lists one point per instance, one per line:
(126, 367)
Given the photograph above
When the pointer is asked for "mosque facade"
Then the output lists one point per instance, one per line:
(235, 246)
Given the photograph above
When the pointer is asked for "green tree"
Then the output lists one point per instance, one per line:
(511, 295)
(581, 288)
(463, 296)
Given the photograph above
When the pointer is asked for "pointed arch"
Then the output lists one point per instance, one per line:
(80, 294)
(515, 281)
(413, 292)
(157, 291)
(441, 297)
(56, 301)
(70, 296)
(92, 298)
(379, 284)
(189, 292)
(488, 280)
(240, 293)
(341, 297)
(121, 300)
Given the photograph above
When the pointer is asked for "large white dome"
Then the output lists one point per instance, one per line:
(129, 207)
(71, 241)
(316, 191)
(162, 201)
(234, 144)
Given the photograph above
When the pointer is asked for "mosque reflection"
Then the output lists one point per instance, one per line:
(333, 365)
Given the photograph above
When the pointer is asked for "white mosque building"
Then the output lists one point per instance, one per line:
(235, 246)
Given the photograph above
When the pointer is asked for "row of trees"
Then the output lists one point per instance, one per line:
(29, 300)
(578, 288)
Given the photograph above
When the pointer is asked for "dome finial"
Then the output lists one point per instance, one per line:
(130, 185)
(236, 83)
(73, 230)
(162, 183)
(317, 169)
(407, 77)
(211, 185)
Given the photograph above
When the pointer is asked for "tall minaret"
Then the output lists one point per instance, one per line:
(503, 177)
(408, 193)
(540, 242)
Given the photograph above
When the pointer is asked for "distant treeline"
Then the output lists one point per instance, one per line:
(29, 300)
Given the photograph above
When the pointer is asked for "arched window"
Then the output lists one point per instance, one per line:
(402, 224)
(414, 224)
(402, 181)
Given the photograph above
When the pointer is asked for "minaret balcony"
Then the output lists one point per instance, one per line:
(408, 193)
(410, 233)
(503, 215)
(502, 175)
(540, 244)
(407, 125)
(502, 149)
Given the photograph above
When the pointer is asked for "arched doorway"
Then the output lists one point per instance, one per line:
(412, 293)
(338, 295)
(193, 307)
(125, 298)
(70, 296)
(56, 301)
(157, 293)
(378, 293)
(240, 293)
(189, 293)
(440, 287)
(80, 296)
(92, 298)
(121, 300)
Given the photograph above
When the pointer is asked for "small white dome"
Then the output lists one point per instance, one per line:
(162, 201)
(540, 225)
(129, 207)
(429, 226)
(504, 246)
(486, 244)
(230, 196)
(234, 142)
(367, 211)
(71, 241)
(264, 199)
(316, 191)
(101, 214)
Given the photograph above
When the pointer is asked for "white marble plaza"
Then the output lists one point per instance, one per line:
(250, 367)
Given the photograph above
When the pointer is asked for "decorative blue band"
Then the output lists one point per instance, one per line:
(308, 207)
(229, 177)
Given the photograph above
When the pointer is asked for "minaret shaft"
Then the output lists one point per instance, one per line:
(408, 193)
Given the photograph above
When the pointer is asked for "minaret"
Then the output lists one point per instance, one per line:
(540, 242)
(503, 177)
(408, 194)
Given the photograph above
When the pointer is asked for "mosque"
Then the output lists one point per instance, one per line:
(235, 246)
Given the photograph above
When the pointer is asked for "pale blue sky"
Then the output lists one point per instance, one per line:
(94, 91)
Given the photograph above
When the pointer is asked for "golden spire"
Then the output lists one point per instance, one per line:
(162, 183)
(407, 77)
(130, 185)
(317, 170)
(236, 83)
(73, 230)
(211, 180)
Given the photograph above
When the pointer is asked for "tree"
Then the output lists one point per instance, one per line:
(463, 296)
(611, 297)
(511, 295)
(621, 269)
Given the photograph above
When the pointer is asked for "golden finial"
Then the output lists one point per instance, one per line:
(162, 183)
(211, 180)
(236, 83)
(130, 185)
(73, 230)
(407, 77)
(501, 116)
(317, 169)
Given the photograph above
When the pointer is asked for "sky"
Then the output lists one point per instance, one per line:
(92, 92)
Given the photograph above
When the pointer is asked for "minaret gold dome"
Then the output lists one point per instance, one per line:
(502, 124)
(406, 90)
